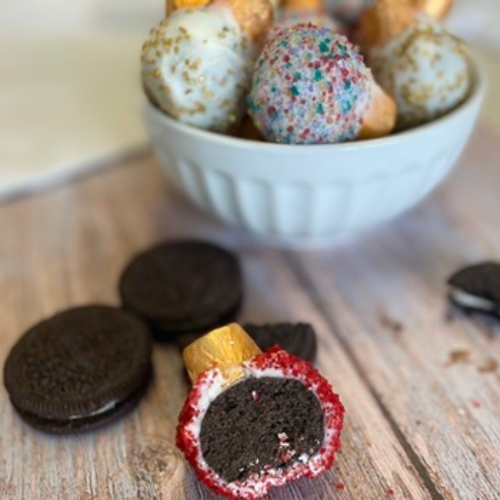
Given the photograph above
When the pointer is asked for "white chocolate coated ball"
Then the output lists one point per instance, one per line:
(425, 69)
(197, 67)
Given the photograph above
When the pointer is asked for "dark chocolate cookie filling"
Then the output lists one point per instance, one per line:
(258, 423)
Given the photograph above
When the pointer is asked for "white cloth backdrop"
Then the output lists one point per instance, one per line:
(70, 97)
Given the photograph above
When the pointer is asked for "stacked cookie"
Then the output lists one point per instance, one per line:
(183, 288)
(79, 369)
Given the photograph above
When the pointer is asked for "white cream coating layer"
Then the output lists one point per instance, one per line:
(426, 69)
(197, 67)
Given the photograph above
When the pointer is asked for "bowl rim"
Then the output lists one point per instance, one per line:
(474, 97)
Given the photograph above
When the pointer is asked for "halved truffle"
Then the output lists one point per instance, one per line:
(279, 422)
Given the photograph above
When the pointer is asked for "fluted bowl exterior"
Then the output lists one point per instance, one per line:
(297, 195)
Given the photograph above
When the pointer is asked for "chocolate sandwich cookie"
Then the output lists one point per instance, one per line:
(79, 369)
(183, 286)
(477, 288)
(298, 339)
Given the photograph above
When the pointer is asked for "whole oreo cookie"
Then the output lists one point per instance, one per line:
(79, 369)
(183, 286)
(477, 288)
(297, 339)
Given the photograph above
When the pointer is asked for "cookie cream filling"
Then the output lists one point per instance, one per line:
(470, 301)
(108, 407)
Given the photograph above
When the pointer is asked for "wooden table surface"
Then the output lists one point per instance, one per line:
(421, 385)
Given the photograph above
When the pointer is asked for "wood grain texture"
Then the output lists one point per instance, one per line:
(414, 427)
(444, 409)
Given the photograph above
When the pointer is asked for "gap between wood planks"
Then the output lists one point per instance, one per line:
(456, 232)
(296, 268)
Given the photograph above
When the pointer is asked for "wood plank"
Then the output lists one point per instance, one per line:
(384, 297)
(372, 461)
(67, 248)
(63, 249)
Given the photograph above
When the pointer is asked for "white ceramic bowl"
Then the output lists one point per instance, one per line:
(302, 195)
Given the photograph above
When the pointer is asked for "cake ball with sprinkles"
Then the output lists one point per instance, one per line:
(427, 71)
(421, 65)
(255, 421)
(197, 64)
(311, 86)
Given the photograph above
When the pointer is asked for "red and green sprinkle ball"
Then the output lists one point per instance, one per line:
(310, 86)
